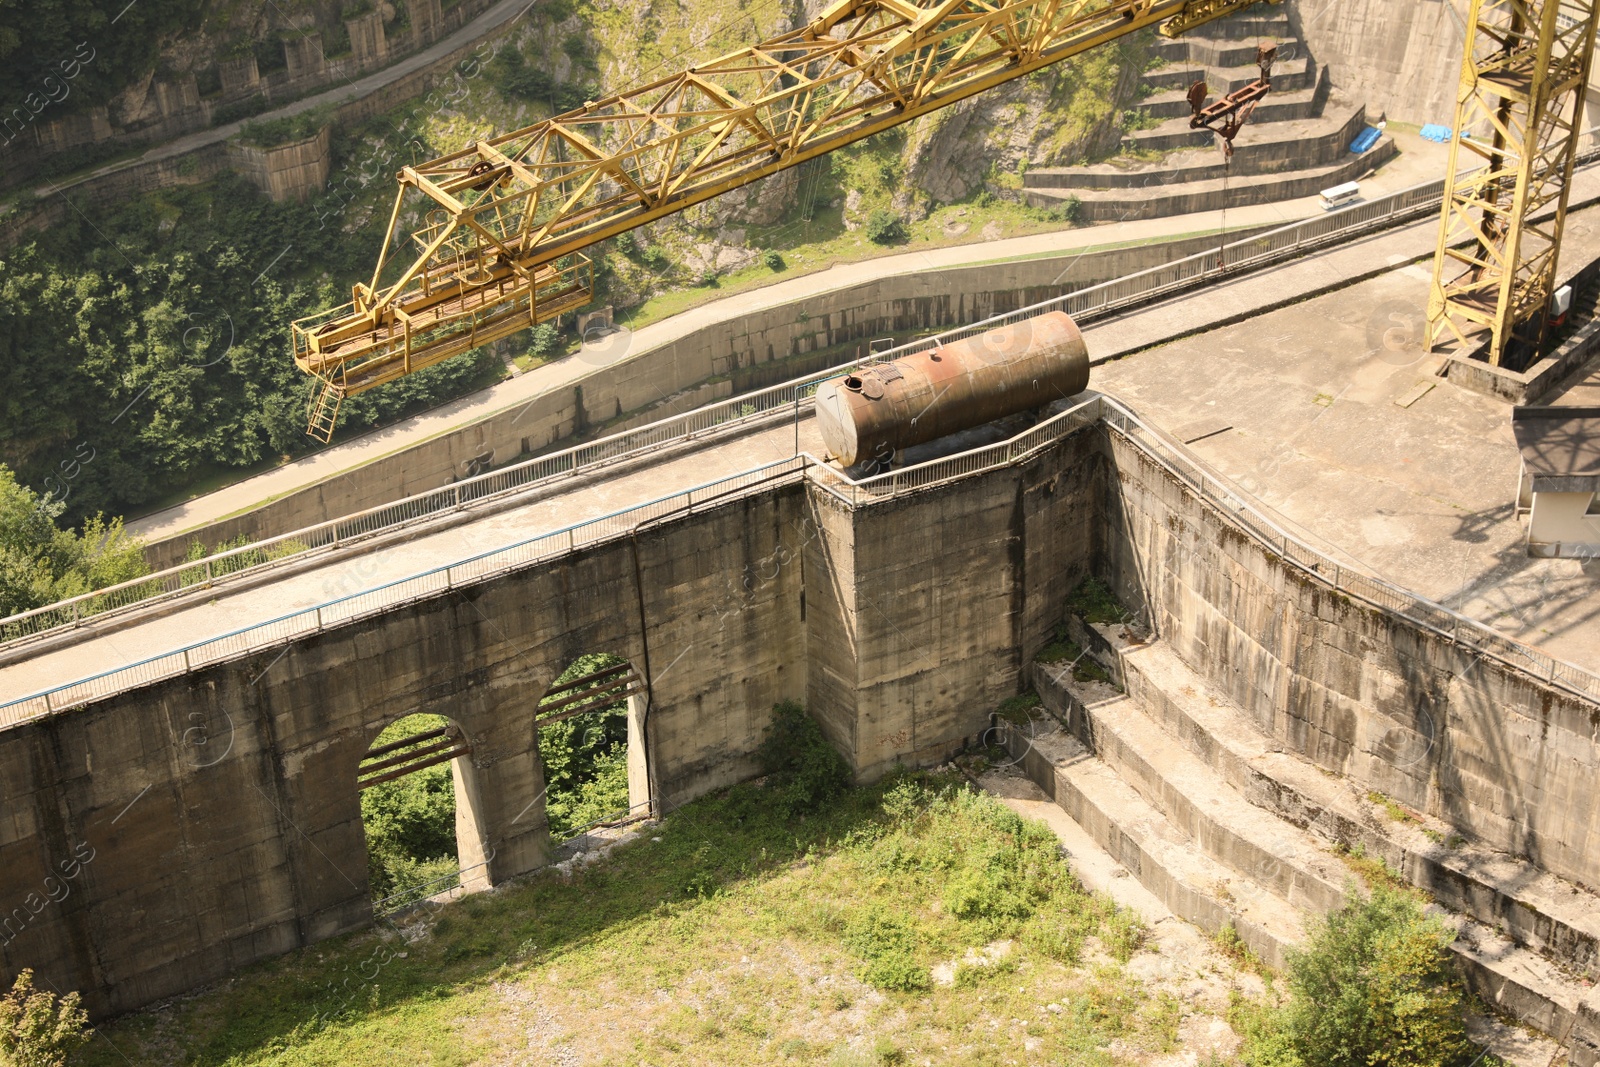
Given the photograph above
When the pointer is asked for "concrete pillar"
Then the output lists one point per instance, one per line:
(303, 54)
(639, 799)
(500, 817)
(427, 17)
(367, 41)
(472, 848)
(176, 97)
(239, 75)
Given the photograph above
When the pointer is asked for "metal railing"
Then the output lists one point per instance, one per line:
(538, 549)
(792, 398)
(1419, 610)
(1227, 502)
(736, 412)
(951, 468)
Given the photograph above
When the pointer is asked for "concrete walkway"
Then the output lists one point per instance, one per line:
(1327, 411)
(208, 615)
(346, 457)
(493, 19)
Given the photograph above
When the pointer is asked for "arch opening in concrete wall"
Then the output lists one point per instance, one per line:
(591, 745)
(416, 790)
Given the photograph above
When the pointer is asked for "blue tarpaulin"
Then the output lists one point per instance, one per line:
(1437, 133)
(1365, 139)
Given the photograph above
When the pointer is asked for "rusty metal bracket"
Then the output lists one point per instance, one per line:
(1227, 116)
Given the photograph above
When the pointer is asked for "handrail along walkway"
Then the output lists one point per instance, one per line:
(723, 416)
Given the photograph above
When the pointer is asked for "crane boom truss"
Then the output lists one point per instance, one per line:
(508, 217)
(1523, 81)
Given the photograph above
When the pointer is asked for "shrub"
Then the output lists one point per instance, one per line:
(802, 769)
(886, 943)
(1374, 987)
(543, 340)
(773, 260)
(885, 227)
(36, 1029)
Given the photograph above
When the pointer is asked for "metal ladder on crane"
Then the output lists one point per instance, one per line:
(325, 410)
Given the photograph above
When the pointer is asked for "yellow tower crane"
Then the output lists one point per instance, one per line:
(1520, 108)
(508, 218)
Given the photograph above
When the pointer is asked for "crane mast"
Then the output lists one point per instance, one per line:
(507, 219)
(1523, 81)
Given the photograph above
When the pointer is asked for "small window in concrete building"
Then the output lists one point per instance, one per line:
(408, 807)
(591, 746)
(1594, 505)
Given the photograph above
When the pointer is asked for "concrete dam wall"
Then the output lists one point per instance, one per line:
(160, 839)
(1403, 57)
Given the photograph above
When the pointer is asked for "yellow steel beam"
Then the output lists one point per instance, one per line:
(503, 248)
(1520, 107)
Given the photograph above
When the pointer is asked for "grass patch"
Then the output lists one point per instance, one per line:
(1391, 808)
(733, 932)
(1093, 601)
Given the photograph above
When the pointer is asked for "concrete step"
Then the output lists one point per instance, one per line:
(1283, 859)
(1222, 52)
(1297, 73)
(1268, 27)
(1164, 859)
(1271, 144)
(1167, 810)
(1534, 908)
(1160, 200)
(1280, 106)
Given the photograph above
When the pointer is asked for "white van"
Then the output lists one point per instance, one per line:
(1340, 195)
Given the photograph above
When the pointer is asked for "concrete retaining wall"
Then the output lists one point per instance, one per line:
(1396, 708)
(1403, 59)
(214, 820)
(683, 375)
(158, 840)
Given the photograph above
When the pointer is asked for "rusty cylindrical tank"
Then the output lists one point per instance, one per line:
(880, 409)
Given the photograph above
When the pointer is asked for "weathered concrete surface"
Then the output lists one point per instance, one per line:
(616, 384)
(1359, 692)
(221, 809)
(221, 812)
(1403, 58)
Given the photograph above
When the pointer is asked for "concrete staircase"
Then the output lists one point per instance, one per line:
(1227, 828)
(1296, 144)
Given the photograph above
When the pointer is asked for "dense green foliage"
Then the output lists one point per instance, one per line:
(37, 1029)
(585, 759)
(803, 771)
(1374, 987)
(40, 563)
(155, 338)
(410, 821)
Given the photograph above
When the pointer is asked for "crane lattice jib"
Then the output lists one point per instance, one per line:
(1520, 107)
(501, 245)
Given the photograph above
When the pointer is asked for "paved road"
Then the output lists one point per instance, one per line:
(1420, 162)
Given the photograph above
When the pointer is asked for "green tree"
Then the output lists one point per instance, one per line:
(1373, 987)
(41, 563)
(585, 758)
(410, 821)
(36, 1028)
(884, 227)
